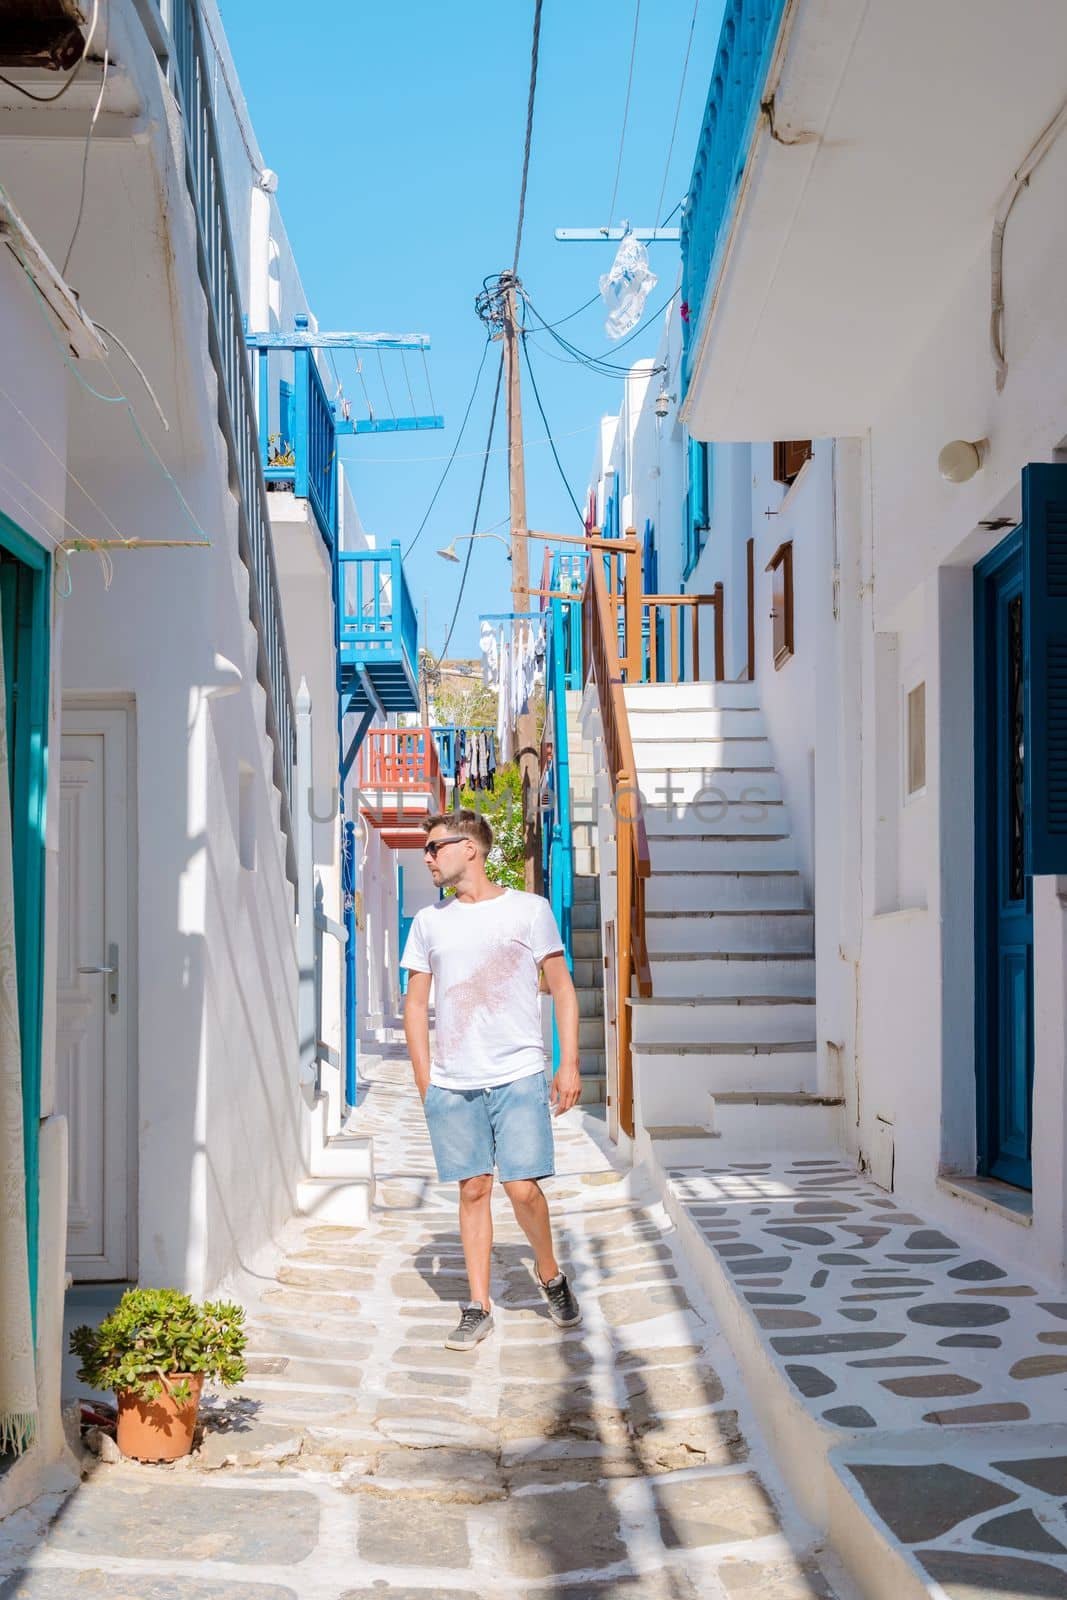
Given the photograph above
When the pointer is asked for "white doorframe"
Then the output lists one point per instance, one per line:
(107, 724)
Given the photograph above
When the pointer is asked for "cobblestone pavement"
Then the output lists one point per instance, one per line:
(363, 1461)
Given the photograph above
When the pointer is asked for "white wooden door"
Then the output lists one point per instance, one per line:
(92, 1045)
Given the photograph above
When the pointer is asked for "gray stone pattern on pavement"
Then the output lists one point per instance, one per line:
(885, 1326)
(362, 1460)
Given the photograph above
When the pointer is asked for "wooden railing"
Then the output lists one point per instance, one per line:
(403, 759)
(673, 608)
(633, 862)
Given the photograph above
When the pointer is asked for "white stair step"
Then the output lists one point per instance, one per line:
(681, 696)
(593, 1062)
(586, 859)
(723, 1020)
(672, 1085)
(704, 807)
(591, 1033)
(772, 932)
(346, 1155)
(594, 1090)
(585, 914)
(711, 975)
(344, 1200)
(700, 753)
(694, 890)
(682, 845)
(755, 786)
(588, 973)
(751, 1122)
(698, 723)
(586, 887)
(590, 1002)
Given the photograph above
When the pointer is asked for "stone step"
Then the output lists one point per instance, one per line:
(585, 943)
(683, 845)
(586, 859)
(666, 787)
(590, 1002)
(702, 974)
(673, 1082)
(723, 1020)
(586, 887)
(695, 890)
(588, 973)
(591, 1033)
(593, 1061)
(695, 723)
(335, 1199)
(684, 696)
(594, 1088)
(720, 932)
(346, 1155)
(585, 914)
(680, 754)
(775, 1121)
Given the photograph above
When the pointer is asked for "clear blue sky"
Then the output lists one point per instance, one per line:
(396, 129)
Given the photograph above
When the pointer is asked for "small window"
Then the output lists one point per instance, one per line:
(781, 566)
(789, 456)
(917, 739)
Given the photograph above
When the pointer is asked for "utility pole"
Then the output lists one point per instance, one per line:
(525, 729)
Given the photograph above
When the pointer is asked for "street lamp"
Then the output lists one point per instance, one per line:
(449, 551)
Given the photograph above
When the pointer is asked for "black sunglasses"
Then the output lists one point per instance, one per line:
(432, 846)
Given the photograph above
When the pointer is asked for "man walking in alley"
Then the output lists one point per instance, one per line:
(484, 1090)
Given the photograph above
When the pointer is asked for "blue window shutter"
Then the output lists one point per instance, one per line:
(1045, 610)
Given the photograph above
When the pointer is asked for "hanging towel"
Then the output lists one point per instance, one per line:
(490, 656)
(505, 702)
(18, 1379)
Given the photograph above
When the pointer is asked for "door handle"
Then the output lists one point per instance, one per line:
(110, 971)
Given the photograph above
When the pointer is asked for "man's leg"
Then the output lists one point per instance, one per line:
(476, 1231)
(532, 1214)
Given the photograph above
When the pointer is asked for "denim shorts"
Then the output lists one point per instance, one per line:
(508, 1127)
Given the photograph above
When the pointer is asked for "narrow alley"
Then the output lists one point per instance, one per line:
(611, 1462)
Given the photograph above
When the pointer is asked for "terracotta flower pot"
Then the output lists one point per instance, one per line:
(160, 1429)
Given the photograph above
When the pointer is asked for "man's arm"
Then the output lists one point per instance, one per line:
(417, 1027)
(567, 1084)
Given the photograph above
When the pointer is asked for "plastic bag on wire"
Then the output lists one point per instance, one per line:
(627, 286)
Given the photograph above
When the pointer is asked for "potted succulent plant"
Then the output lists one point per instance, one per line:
(156, 1350)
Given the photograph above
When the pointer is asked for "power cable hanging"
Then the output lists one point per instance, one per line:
(88, 146)
(455, 450)
(477, 505)
(677, 114)
(555, 453)
(534, 53)
(625, 116)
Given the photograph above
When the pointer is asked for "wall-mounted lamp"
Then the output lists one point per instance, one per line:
(961, 459)
(664, 402)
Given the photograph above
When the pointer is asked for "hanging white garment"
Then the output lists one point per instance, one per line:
(18, 1380)
(490, 656)
(531, 643)
(505, 721)
(519, 706)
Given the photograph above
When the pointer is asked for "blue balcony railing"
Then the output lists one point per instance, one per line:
(377, 629)
(297, 428)
(446, 736)
(746, 47)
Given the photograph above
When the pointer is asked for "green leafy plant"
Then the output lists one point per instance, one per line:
(155, 1333)
(502, 809)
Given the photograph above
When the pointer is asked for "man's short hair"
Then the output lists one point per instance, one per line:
(469, 823)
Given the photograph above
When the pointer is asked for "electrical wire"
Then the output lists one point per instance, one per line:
(135, 364)
(477, 505)
(625, 115)
(555, 453)
(455, 450)
(677, 112)
(598, 364)
(50, 99)
(535, 50)
(88, 145)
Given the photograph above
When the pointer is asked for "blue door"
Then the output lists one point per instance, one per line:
(1004, 968)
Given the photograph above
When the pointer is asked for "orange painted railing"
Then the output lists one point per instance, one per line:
(402, 759)
(604, 665)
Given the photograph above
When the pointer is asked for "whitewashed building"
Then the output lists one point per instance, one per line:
(170, 604)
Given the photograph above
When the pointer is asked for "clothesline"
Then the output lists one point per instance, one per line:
(510, 616)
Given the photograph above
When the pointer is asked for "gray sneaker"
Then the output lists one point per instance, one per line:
(475, 1325)
(563, 1308)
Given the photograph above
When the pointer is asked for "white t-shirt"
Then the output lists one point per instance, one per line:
(484, 957)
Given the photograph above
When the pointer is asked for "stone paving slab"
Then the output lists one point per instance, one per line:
(362, 1460)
